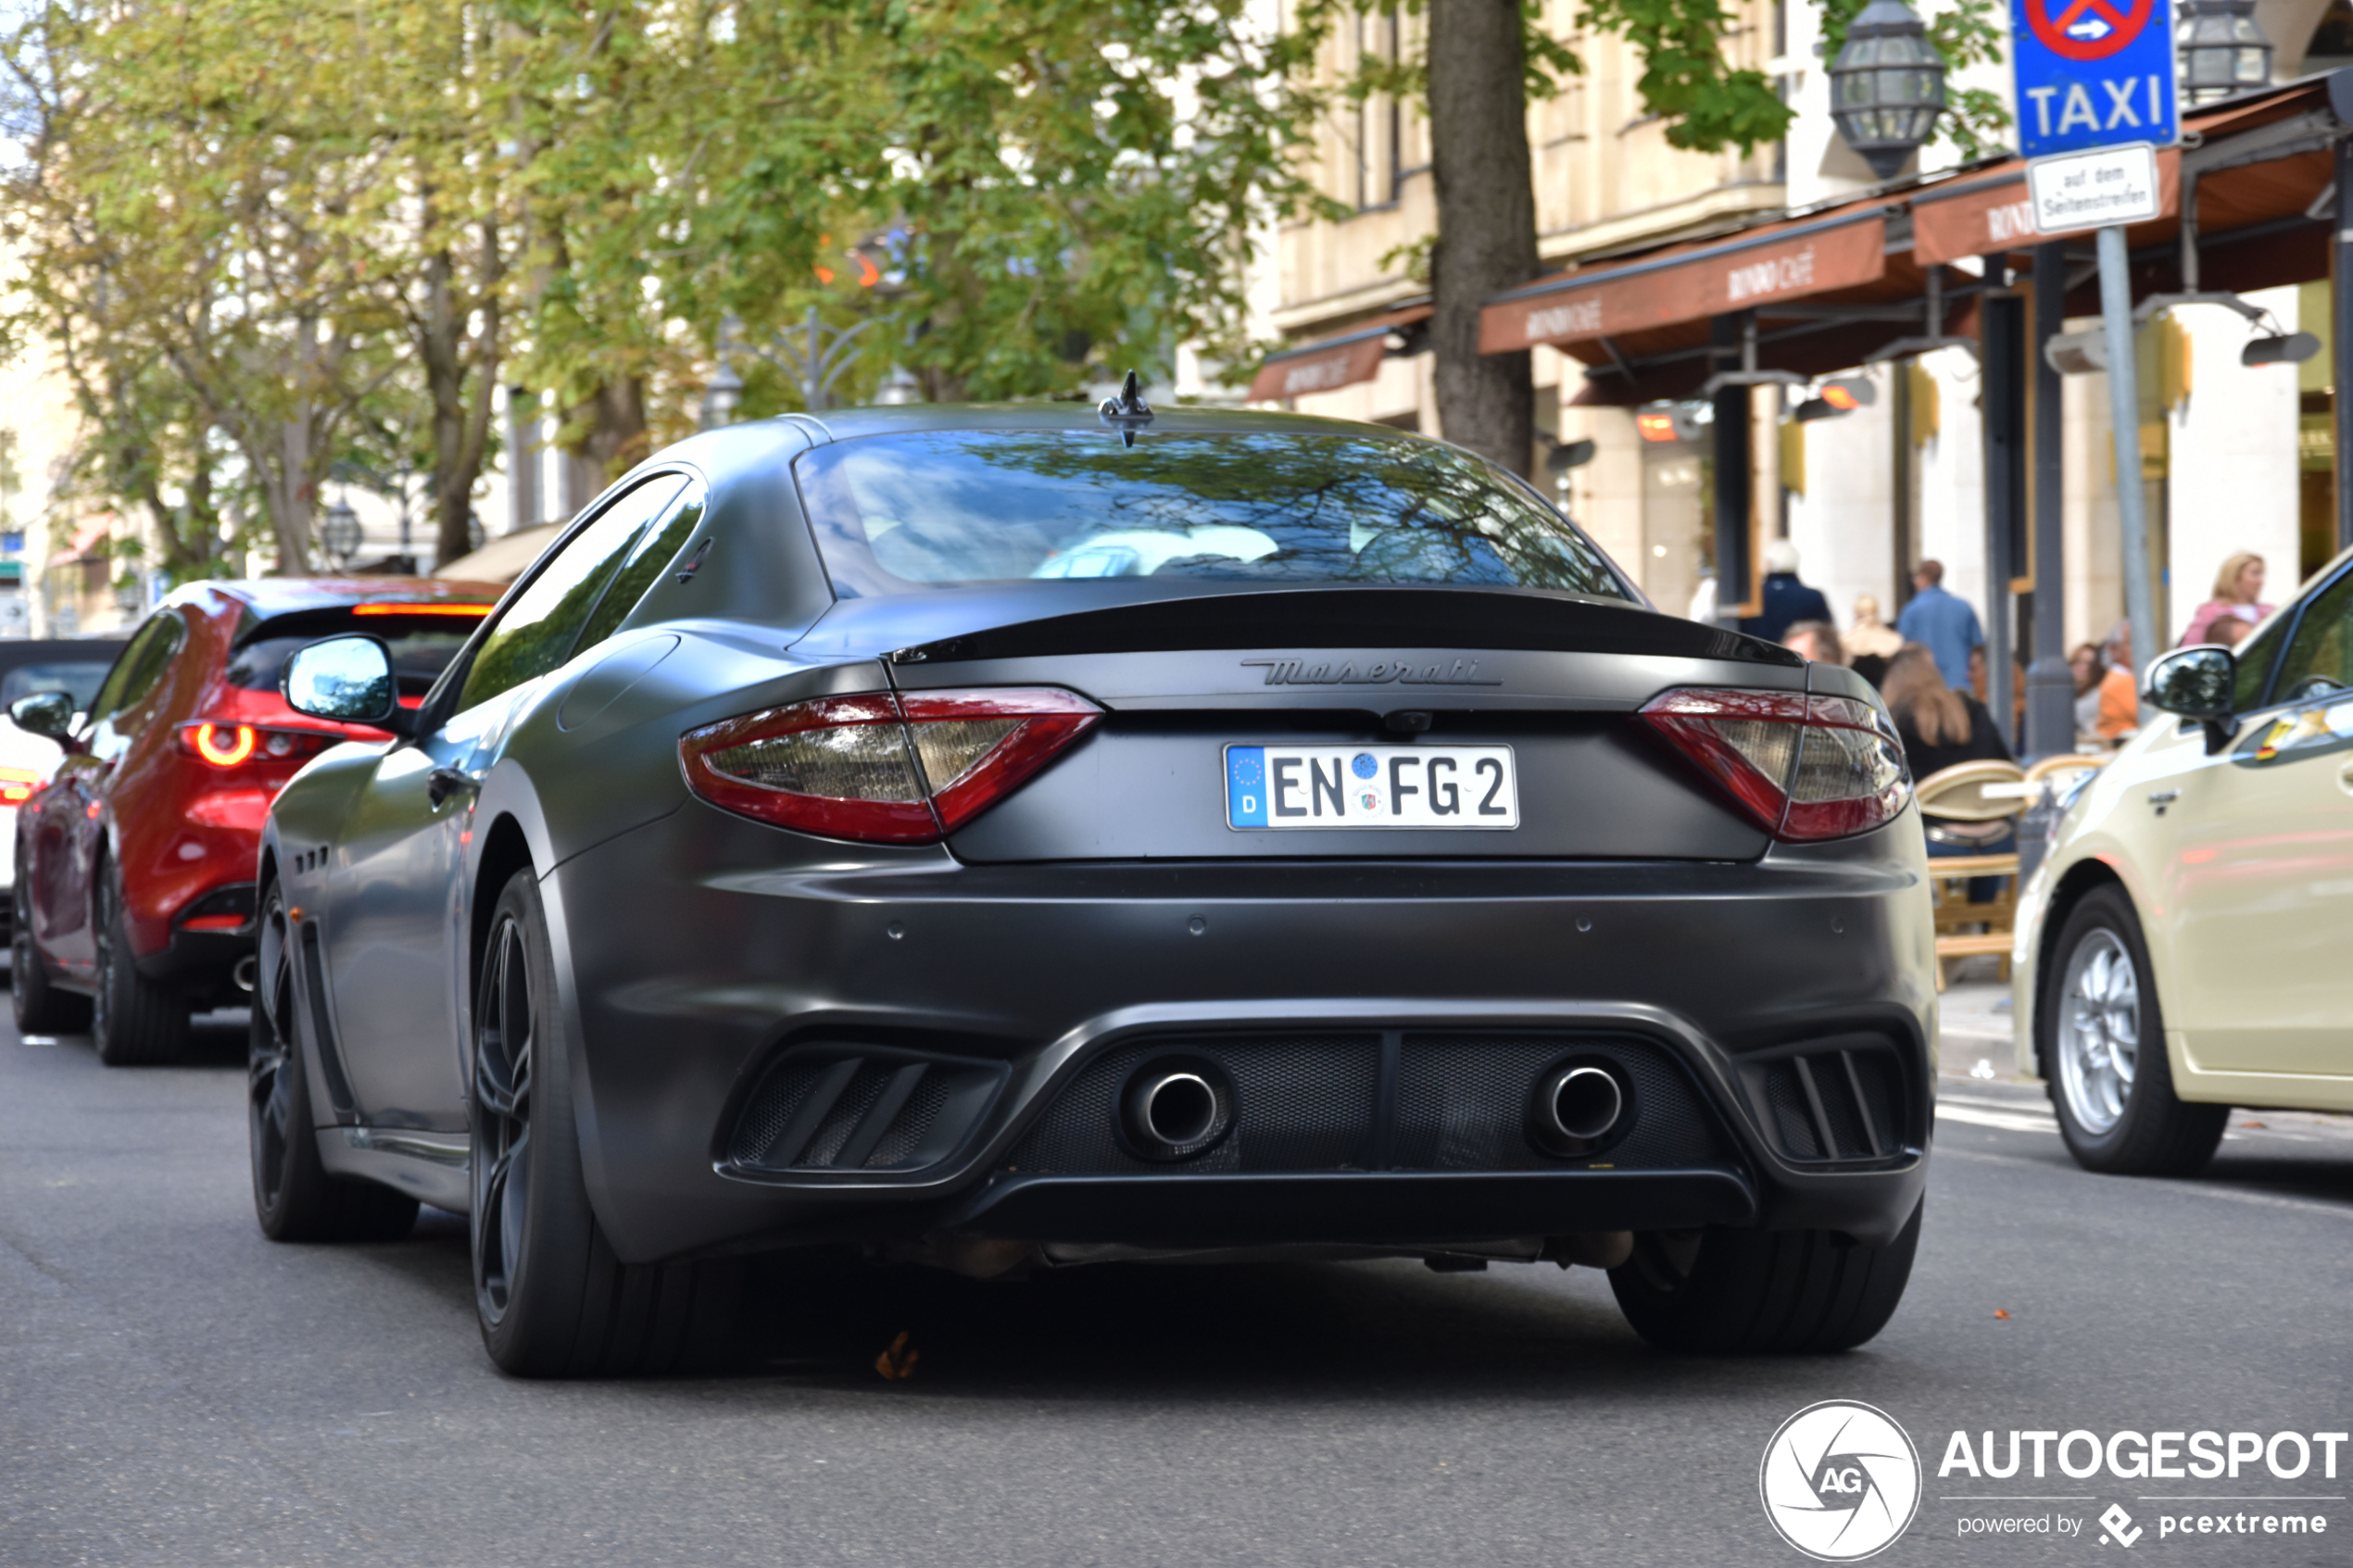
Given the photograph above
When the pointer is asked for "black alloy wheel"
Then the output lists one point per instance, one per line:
(133, 1022)
(294, 1197)
(39, 1006)
(553, 1298)
(501, 1162)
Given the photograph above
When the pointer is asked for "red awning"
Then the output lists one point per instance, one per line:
(1782, 262)
(1330, 363)
(1831, 287)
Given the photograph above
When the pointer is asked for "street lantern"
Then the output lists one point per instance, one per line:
(1887, 86)
(2224, 49)
(339, 533)
(900, 386)
(720, 399)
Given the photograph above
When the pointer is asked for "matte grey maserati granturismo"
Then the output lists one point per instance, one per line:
(1013, 838)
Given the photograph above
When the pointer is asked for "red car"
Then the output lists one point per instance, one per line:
(134, 864)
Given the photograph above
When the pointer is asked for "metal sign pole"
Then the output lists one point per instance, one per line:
(2097, 100)
(2124, 413)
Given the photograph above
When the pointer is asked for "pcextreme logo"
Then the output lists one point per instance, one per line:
(1839, 1480)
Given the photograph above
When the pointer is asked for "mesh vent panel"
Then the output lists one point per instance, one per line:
(1792, 1117)
(1301, 1103)
(1840, 1131)
(907, 1129)
(847, 1111)
(766, 1118)
(816, 1105)
(1462, 1104)
(1307, 1103)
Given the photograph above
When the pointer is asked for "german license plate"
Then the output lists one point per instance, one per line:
(1371, 786)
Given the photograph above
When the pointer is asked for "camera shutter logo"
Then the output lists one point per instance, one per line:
(1840, 1481)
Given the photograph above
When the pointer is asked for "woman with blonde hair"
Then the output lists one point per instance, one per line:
(1938, 725)
(2237, 588)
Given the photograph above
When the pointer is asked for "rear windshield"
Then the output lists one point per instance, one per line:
(81, 680)
(935, 508)
(421, 646)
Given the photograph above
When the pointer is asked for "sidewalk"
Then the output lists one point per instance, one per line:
(1975, 1024)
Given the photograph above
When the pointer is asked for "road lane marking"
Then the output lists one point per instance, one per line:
(2228, 1195)
(2007, 1121)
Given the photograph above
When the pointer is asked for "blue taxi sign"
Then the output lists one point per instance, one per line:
(2093, 73)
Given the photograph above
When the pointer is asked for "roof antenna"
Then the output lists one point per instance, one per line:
(1128, 412)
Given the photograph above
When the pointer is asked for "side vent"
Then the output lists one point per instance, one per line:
(1831, 1100)
(851, 1108)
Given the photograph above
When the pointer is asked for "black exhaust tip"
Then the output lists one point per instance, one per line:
(1580, 1108)
(1175, 1108)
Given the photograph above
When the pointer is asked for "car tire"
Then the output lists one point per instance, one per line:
(40, 1007)
(2100, 1033)
(1762, 1292)
(133, 1022)
(294, 1197)
(552, 1298)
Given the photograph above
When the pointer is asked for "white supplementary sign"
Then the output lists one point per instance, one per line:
(2093, 190)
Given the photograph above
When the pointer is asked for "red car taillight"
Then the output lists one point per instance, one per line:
(226, 743)
(17, 785)
(882, 767)
(1805, 768)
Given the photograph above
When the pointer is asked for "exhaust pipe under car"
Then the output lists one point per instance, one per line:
(1177, 1107)
(1577, 1109)
(242, 975)
(1173, 1110)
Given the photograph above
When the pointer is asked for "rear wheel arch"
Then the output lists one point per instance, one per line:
(505, 850)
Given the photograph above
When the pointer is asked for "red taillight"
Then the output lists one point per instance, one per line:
(225, 744)
(881, 767)
(17, 785)
(1805, 768)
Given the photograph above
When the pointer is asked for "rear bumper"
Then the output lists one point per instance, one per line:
(733, 963)
(202, 957)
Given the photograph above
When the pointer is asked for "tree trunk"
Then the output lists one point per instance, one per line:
(292, 494)
(461, 432)
(616, 437)
(1486, 221)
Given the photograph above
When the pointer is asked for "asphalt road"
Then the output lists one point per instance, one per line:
(175, 1389)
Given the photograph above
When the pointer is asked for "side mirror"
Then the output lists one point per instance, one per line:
(49, 714)
(2198, 684)
(344, 678)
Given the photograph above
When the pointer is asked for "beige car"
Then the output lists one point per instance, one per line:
(2187, 945)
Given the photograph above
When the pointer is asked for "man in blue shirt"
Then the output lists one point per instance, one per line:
(1943, 623)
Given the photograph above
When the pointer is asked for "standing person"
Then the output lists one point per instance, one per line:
(2120, 690)
(1870, 633)
(1870, 642)
(1785, 599)
(2088, 667)
(2238, 587)
(1942, 622)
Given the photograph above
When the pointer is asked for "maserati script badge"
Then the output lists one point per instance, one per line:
(1374, 672)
